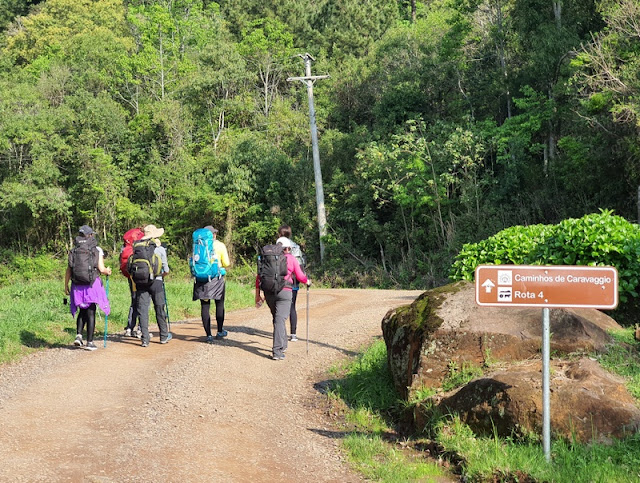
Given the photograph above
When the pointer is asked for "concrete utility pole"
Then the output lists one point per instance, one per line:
(308, 80)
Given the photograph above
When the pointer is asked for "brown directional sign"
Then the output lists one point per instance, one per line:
(547, 286)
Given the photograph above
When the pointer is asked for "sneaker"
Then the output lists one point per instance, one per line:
(293, 338)
(278, 358)
(144, 343)
(137, 333)
(78, 341)
(169, 337)
(90, 346)
(221, 335)
(127, 332)
(210, 339)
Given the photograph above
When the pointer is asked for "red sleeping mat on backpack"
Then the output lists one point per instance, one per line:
(129, 237)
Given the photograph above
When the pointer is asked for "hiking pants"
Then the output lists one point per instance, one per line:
(293, 315)
(280, 306)
(153, 292)
(87, 317)
(133, 312)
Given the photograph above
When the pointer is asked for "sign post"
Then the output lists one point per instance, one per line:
(552, 286)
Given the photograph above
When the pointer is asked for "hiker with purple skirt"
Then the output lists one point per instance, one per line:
(86, 263)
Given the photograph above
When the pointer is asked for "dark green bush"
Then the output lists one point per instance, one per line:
(599, 239)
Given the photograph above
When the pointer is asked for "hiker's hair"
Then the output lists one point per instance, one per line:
(284, 230)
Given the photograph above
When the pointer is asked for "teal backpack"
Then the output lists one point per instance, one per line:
(204, 263)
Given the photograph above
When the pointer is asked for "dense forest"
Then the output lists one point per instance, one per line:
(441, 123)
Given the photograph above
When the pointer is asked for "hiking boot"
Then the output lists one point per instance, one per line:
(221, 335)
(78, 341)
(164, 341)
(127, 332)
(90, 346)
(210, 339)
(293, 338)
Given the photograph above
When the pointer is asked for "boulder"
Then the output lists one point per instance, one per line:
(444, 328)
(445, 325)
(586, 402)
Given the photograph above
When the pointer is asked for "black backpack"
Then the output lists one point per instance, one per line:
(272, 268)
(144, 264)
(83, 260)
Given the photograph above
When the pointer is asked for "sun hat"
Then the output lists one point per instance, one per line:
(285, 242)
(152, 231)
(85, 230)
(211, 229)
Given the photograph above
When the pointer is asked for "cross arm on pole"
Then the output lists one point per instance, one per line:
(311, 78)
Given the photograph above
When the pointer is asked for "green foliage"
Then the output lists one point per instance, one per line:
(511, 246)
(367, 381)
(435, 130)
(623, 358)
(366, 387)
(488, 458)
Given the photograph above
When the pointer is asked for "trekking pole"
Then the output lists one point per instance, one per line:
(307, 319)
(106, 316)
(166, 305)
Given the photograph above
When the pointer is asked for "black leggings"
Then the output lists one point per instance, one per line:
(87, 317)
(205, 308)
(293, 314)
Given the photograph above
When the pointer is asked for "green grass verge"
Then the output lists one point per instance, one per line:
(33, 317)
(364, 386)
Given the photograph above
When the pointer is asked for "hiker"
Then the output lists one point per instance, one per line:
(285, 231)
(147, 266)
(86, 263)
(276, 283)
(131, 236)
(211, 287)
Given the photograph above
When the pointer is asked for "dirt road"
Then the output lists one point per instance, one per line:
(188, 411)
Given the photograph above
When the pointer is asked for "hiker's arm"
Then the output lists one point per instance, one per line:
(163, 259)
(224, 256)
(101, 268)
(300, 275)
(67, 278)
(259, 298)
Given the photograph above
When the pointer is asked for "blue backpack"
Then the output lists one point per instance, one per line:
(204, 262)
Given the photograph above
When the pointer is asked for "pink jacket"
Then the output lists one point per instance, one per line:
(293, 267)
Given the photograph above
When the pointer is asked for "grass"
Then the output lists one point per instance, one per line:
(33, 316)
(366, 388)
(371, 409)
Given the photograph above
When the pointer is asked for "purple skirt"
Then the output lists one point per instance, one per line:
(84, 295)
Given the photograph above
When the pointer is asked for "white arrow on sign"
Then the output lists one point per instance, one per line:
(488, 285)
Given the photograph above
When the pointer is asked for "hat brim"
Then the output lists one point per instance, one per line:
(154, 234)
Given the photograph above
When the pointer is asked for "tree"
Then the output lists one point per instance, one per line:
(267, 46)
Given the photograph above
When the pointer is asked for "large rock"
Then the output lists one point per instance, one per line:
(445, 328)
(586, 402)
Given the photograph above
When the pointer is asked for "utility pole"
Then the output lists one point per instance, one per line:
(308, 80)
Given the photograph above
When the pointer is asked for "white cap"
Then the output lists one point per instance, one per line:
(285, 242)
